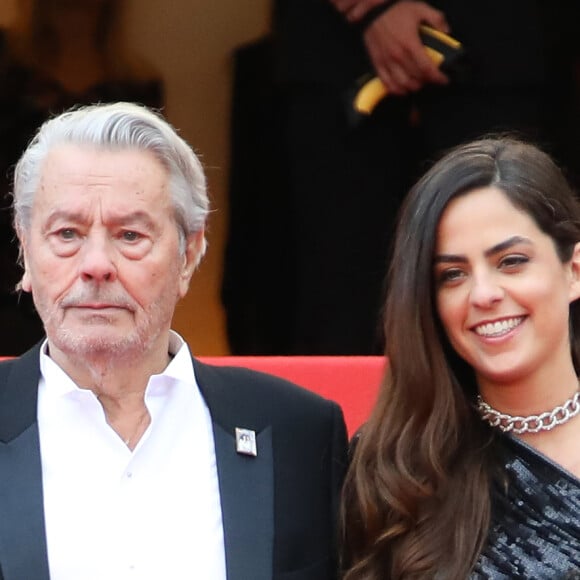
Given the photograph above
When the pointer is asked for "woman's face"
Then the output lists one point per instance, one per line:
(502, 293)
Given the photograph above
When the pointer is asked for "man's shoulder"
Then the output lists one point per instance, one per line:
(6, 366)
(257, 383)
(241, 392)
(22, 369)
(18, 393)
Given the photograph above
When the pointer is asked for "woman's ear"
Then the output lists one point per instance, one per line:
(575, 273)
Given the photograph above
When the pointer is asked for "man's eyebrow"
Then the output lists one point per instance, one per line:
(122, 219)
(65, 215)
(502, 246)
(132, 218)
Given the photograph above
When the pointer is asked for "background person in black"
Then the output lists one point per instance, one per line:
(335, 188)
(59, 54)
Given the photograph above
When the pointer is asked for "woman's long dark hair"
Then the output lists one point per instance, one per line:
(416, 501)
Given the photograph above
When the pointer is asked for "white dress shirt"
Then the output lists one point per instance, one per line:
(113, 514)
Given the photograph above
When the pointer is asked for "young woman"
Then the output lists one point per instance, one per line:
(470, 463)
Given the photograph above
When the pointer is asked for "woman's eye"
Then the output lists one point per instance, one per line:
(450, 275)
(513, 261)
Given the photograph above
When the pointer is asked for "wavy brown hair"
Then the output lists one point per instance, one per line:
(416, 501)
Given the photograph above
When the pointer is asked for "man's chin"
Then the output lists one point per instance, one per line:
(92, 344)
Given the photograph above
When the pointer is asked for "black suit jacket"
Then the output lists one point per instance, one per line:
(278, 509)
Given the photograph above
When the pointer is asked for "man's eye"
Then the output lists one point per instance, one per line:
(131, 236)
(67, 234)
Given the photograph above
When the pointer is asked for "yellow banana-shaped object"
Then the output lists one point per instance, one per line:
(369, 95)
(439, 47)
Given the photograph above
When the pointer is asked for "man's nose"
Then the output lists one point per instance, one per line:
(97, 260)
(485, 290)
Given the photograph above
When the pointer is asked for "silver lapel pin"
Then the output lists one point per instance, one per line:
(246, 442)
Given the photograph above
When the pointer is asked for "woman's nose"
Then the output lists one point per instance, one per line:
(485, 290)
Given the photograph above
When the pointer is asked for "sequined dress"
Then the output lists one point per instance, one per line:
(535, 529)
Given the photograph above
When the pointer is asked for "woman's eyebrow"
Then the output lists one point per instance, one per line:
(514, 240)
(497, 248)
(444, 258)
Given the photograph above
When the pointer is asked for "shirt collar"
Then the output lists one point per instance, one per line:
(180, 367)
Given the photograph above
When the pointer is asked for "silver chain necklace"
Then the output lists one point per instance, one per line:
(533, 423)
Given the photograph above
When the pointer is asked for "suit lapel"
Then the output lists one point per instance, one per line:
(246, 482)
(22, 530)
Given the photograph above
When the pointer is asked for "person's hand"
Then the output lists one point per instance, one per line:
(354, 10)
(395, 48)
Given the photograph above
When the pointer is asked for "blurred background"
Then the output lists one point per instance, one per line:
(304, 195)
(190, 44)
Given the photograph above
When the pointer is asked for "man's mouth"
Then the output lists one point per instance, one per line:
(95, 306)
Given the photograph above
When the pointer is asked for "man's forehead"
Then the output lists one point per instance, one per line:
(72, 165)
(111, 217)
(88, 161)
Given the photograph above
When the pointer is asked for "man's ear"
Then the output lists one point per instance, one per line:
(194, 250)
(575, 273)
(24, 283)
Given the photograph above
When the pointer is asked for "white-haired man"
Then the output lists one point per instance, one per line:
(121, 456)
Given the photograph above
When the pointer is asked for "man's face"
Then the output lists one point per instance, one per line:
(102, 253)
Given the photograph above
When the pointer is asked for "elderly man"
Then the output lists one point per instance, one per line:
(121, 456)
